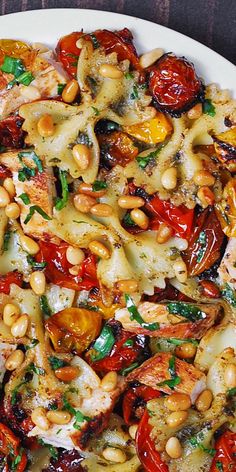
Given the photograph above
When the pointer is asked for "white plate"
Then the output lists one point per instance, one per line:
(48, 26)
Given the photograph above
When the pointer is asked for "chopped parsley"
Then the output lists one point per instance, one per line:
(60, 88)
(99, 185)
(35, 265)
(53, 450)
(103, 344)
(34, 368)
(15, 390)
(25, 198)
(134, 94)
(16, 461)
(190, 312)
(127, 220)
(61, 202)
(79, 416)
(43, 301)
(175, 379)
(34, 342)
(208, 107)
(129, 343)
(96, 111)
(135, 315)
(38, 209)
(229, 295)
(196, 442)
(56, 363)
(219, 466)
(203, 246)
(143, 161)
(129, 75)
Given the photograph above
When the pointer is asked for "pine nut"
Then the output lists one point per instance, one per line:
(195, 112)
(130, 202)
(139, 218)
(8, 184)
(203, 177)
(74, 255)
(113, 454)
(67, 373)
(206, 196)
(37, 282)
(12, 211)
(109, 381)
(99, 250)
(10, 313)
(74, 270)
(133, 430)
(87, 189)
(173, 448)
(20, 326)
(110, 72)
(82, 156)
(178, 402)
(127, 286)
(15, 359)
(230, 376)
(39, 418)
(176, 418)
(101, 209)
(186, 351)
(29, 245)
(169, 178)
(4, 197)
(228, 353)
(204, 400)
(45, 126)
(84, 203)
(150, 57)
(58, 417)
(70, 91)
(30, 92)
(164, 233)
(180, 270)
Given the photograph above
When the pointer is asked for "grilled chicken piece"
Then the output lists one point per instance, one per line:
(227, 269)
(5, 350)
(156, 370)
(175, 326)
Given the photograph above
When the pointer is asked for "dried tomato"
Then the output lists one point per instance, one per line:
(4, 172)
(68, 53)
(174, 85)
(10, 447)
(8, 279)
(135, 400)
(117, 148)
(11, 133)
(225, 457)
(149, 457)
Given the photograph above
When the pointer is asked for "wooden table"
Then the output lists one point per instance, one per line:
(212, 22)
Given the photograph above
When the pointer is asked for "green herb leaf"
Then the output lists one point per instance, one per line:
(127, 220)
(202, 243)
(129, 75)
(25, 198)
(175, 379)
(195, 441)
(35, 265)
(231, 392)
(96, 111)
(56, 363)
(128, 343)
(34, 343)
(26, 173)
(229, 294)
(6, 240)
(219, 466)
(60, 88)
(83, 138)
(79, 417)
(179, 342)
(15, 391)
(134, 95)
(99, 185)
(129, 369)
(2, 148)
(43, 301)
(12, 65)
(190, 312)
(26, 78)
(31, 155)
(95, 42)
(16, 461)
(103, 344)
(34, 368)
(143, 161)
(38, 209)
(61, 202)
(135, 315)
(53, 450)
(208, 108)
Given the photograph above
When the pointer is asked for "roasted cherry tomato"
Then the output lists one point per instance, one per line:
(57, 268)
(116, 149)
(205, 242)
(152, 131)
(10, 447)
(149, 457)
(67, 461)
(8, 279)
(11, 133)
(167, 293)
(17, 49)
(4, 172)
(135, 400)
(174, 84)
(68, 53)
(225, 457)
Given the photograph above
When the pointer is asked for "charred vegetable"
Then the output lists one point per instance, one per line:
(226, 209)
(225, 147)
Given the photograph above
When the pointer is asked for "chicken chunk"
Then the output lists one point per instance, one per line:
(5, 350)
(227, 269)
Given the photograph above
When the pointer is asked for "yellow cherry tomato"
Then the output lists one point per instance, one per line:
(17, 49)
(153, 131)
(226, 209)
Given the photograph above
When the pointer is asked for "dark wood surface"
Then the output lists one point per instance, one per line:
(212, 22)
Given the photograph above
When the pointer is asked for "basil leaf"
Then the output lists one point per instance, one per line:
(61, 202)
(25, 198)
(26, 78)
(208, 107)
(134, 95)
(195, 441)
(35, 265)
(128, 343)
(229, 295)
(60, 88)
(34, 368)
(95, 42)
(143, 161)
(203, 246)
(127, 220)
(43, 301)
(128, 369)
(12, 65)
(34, 343)
(26, 173)
(32, 155)
(99, 185)
(129, 75)
(219, 466)
(135, 315)
(103, 344)
(56, 363)
(38, 209)
(79, 416)
(175, 379)
(231, 392)
(190, 312)
(53, 450)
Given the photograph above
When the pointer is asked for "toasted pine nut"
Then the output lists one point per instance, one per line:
(206, 196)
(20, 326)
(10, 313)
(12, 210)
(74, 255)
(15, 359)
(176, 418)
(127, 286)
(204, 400)
(84, 203)
(186, 351)
(82, 156)
(129, 202)
(139, 218)
(67, 373)
(228, 353)
(133, 430)
(58, 417)
(173, 448)
(150, 57)
(180, 270)
(74, 270)
(164, 233)
(178, 401)
(29, 245)
(110, 72)
(109, 381)
(203, 177)
(230, 375)
(37, 282)
(114, 455)
(39, 418)
(195, 112)
(8, 184)
(70, 91)
(169, 178)
(45, 126)
(30, 92)
(4, 197)
(99, 250)
(87, 189)
(102, 210)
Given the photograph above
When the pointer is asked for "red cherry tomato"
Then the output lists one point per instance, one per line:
(149, 457)
(225, 457)
(10, 447)
(68, 53)
(8, 279)
(57, 268)
(4, 172)
(134, 402)
(11, 133)
(174, 84)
